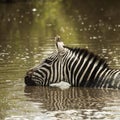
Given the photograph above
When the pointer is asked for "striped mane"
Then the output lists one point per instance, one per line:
(86, 52)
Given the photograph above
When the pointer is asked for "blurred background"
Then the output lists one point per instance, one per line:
(27, 31)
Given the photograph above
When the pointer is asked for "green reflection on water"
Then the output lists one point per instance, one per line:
(27, 30)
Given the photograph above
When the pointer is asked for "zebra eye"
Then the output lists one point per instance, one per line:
(48, 61)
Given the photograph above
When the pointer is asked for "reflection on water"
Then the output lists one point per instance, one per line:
(26, 37)
(74, 103)
(54, 99)
(85, 103)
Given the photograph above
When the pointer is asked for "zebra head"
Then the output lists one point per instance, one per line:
(50, 69)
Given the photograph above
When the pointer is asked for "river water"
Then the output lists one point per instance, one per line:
(27, 30)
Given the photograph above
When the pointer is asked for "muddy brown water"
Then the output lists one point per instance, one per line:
(26, 37)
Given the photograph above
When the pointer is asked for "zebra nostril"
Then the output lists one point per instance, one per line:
(27, 79)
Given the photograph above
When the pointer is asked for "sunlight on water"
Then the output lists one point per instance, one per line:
(27, 37)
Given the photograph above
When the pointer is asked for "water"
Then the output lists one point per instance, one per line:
(26, 37)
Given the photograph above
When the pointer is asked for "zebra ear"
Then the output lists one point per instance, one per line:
(60, 48)
(59, 44)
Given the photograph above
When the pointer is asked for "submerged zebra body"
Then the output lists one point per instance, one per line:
(79, 67)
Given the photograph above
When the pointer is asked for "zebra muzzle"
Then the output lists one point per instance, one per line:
(28, 78)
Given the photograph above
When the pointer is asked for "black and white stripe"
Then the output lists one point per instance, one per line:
(49, 71)
(88, 70)
(79, 67)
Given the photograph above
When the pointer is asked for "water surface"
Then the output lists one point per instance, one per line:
(26, 37)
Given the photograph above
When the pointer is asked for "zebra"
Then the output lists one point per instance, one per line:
(79, 67)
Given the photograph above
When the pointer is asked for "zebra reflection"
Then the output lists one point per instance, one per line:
(54, 99)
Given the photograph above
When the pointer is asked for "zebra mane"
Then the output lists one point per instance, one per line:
(80, 51)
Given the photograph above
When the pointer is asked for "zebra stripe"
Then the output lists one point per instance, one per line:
(78, 68)
(92, 71)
